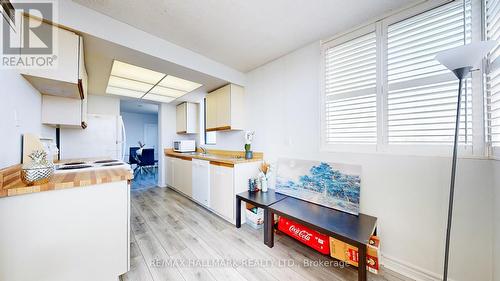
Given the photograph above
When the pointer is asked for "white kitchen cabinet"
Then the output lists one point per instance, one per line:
(210, 183)
(225, 109)
(201, 181)
(222, 191)
(225, 183)
(64, 112)
(187, 118)
(182, 176)
(211, 111)
(68, 77)
(169, 173)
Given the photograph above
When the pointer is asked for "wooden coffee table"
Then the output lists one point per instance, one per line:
(351, 229)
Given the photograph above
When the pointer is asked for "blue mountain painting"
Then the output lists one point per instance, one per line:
(320, 183)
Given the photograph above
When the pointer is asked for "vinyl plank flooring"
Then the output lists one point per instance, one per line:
(167, 226)
(138, 267)
(156, 257)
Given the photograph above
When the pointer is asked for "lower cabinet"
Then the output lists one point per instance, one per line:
(178, 173)
(224, 182)
(169, 171)
(222, 190)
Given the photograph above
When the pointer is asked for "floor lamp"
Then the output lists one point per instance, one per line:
(460, 60)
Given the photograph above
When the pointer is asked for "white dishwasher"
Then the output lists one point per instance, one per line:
(201, 181)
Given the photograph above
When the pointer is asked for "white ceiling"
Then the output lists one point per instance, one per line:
(135, 106)
(99, 56)
(244, 34)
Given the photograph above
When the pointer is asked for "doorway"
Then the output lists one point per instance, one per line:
(140, 120)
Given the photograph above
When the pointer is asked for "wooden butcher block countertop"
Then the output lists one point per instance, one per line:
(218, 156)
(11, 184)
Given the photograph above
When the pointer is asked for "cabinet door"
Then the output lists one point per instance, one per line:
(224, 107)
(188, 176)
(211, 110)
(67, 52)
(181, 118)
(215, 200)
(61, 111)
(201, 182)
(170, 171)
(221, 191)
(176, 174)
(183, 176)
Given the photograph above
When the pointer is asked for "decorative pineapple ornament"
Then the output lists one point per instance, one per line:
(38, 170)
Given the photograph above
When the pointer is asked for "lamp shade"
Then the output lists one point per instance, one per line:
(469, 55)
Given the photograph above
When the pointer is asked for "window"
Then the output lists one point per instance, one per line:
(210, 137)
(421, 96)
(492, 17)
(350, 91)
(382, 86)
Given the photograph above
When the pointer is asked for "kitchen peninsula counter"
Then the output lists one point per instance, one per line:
(11, 184)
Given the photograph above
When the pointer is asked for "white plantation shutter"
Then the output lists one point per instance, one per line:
(350, 91)
(492, 12)
(421, 93)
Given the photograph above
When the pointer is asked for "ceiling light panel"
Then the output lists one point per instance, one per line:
(179, 84)
(138, 82)
(158, 98)
(168, 92)
(124, 92)
(137, 73)
(125, 83)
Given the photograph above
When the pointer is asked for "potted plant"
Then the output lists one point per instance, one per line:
(249, 135)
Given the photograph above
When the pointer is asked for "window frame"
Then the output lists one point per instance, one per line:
(477, 149)
(492, 151)
(325, 45)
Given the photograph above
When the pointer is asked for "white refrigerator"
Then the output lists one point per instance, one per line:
(104, 137)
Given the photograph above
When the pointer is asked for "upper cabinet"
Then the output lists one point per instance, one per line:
(68, 78)
(187, 118)
(64, 112)
(225, 109)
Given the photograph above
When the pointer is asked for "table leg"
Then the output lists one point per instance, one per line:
(238, 212)
(362, 263)
(268, 228)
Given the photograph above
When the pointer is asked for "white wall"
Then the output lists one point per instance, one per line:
(408, 194)
(18, 98)
(496, 219)
(109, 105)
(134, 128)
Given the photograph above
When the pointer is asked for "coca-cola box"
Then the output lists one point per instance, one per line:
(311, 238)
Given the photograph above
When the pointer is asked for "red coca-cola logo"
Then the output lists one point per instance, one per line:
(300, 233)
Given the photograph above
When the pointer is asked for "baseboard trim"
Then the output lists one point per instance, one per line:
(410, 270)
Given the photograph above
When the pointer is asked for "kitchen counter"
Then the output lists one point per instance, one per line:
(217, 156)
(11, 184)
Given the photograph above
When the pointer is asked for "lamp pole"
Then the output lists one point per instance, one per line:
(460, 73)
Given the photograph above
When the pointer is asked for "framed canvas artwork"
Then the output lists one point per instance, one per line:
(332, 185)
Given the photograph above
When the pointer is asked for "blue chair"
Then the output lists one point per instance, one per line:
(132, 156)
(146, 160)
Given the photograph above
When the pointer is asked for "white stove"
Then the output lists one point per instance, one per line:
(78, 166)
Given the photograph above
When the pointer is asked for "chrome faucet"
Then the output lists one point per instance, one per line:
(204, 150)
